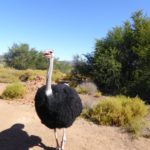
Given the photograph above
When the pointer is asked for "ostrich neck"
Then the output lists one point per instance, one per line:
(49, 77)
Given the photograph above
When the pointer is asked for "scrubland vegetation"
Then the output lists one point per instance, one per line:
(126, 112)
(10, 75)
(14, 91)
(16, 80)
(119, 65)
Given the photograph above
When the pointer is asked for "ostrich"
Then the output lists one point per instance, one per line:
(57, 105)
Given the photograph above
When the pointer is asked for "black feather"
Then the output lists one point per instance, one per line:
(60, 109)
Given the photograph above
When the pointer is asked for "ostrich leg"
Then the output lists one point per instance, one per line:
(63, 139)
(56, 138)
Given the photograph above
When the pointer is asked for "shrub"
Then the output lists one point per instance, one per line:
(25, 77)
(87, 88)
(58, 75)
(15, 90)
(75, 79)
(97, 94)
(119, 111)
(30, 74)
(81, 90)
(8, 75)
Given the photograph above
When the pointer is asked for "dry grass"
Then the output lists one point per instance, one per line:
(10, 75)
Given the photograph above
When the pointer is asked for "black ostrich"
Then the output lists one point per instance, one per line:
(57, 105)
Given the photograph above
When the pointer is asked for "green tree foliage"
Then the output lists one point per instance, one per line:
(121, 60)
(20, 56)
(106, 70)
(81, 69)
(17, 56)
(82, 66)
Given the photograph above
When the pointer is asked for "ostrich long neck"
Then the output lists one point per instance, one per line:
(49, 77)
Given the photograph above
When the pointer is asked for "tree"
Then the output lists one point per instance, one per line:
(121, 60)
(106, 70)
(18, 56)
(22, 57)
(41, 62)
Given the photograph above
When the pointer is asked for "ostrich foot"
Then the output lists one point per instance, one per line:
(58, 148)
(63, 140)
(56, 138)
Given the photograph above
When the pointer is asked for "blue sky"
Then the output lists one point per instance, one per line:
(68, 27)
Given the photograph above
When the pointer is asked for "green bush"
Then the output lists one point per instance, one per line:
(119, 111)
(15, 90)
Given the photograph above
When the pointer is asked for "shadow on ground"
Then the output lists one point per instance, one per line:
(15, 138)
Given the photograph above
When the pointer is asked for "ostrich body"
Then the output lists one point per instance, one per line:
(57, 105)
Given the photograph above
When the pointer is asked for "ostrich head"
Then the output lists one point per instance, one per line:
(50, 56)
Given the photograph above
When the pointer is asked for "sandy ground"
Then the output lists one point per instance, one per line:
(21, 129)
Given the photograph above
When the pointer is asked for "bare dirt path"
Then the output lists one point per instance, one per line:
(20, 129)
